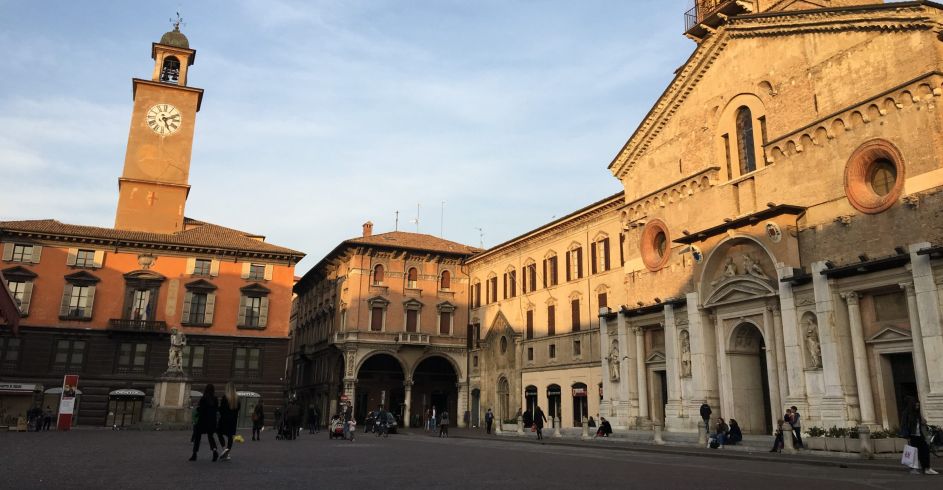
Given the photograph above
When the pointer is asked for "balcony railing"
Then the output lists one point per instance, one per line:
(703, 9)
(137, 325)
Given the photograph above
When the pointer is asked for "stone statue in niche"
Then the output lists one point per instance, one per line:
(685, 354)
(614, 361)
(752, 268)
(812, 343)
(178, 340)
(729, 270)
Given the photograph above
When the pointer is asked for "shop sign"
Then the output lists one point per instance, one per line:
(553, 391)
(23, 388)
(67, 402)
(579, 391)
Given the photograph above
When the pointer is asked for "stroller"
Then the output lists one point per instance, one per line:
(336, 428)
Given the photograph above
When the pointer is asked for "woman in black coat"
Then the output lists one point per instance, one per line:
(228, 415)
(539, 420)
(258, 421)
(205, 421)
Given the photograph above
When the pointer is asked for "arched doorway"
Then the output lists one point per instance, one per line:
(434, 385)
(476, 408)
(504, 400)
(530, 399)
(379, 382)
(750, 380)
(580, 404)
(553, 401)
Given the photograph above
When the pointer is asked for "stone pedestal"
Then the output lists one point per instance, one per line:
(656, 437)
(172, 399)
(789, 446)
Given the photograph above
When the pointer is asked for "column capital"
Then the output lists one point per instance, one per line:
(408, 383)
(851, 297)
(773, 307)
(908, 287)
(639, 331)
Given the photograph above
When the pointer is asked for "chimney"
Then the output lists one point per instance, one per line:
(367, 229)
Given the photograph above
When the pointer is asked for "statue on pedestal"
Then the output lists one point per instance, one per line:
(813, 343)
(685, 354)
(614, 361)
(178, 340)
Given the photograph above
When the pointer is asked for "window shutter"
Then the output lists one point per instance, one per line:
(210, 308)
(91, 301)
(551, 320)
(603, 300)
(245, 269)
(554, 274)
(99, 259)
(214, 267)
(575, 311)
(263, 312)
(545, 272)
(268, 271)
(579, 263)
(605, 252)
(66, 297)
(187, 299)
(505, 285)
(241, 321)
(191, 265)
(568, 274)
(70, 259)
(37, 253)
(27, 294)
(8, 251)
(592, 258)
(622, 249)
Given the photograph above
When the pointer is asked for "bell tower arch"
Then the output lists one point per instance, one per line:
(153, 187)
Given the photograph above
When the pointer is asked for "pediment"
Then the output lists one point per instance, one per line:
(19, 273)
(499, 326)
(81, 278)
(656, 358)
(200, 285)
(144, 275)
(889, 334)
(739, 288)
(412, 303)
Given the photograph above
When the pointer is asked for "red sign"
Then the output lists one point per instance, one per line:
(345, 398)
(579, 391)
(67, 402)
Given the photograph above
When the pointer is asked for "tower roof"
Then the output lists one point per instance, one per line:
(175, 38)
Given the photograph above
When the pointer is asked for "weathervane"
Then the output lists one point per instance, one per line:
(177, 22)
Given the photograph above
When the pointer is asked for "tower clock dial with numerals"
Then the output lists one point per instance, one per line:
(164, 119)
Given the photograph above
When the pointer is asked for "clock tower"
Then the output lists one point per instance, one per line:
(153, 188)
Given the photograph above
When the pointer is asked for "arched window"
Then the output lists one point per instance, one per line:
(378, 275)
(445, 280)
(574, 263)
(745, 143)
(412, 278)
(170, 71)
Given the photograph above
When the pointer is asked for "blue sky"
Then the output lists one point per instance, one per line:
(318, 116)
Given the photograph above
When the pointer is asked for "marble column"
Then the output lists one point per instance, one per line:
(773, 365)
(673, 371)
(929, 296)
(834, 407)
(703, 356)
(793, 342)
(860, 353)
(624, 411)
(462, 405)
(642, 373)
(605, 407)
(916, 335)
(780, 352)
(408, 389)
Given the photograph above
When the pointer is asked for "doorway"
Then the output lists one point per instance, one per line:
(659, 395)
(553, 401)
(749, 380)
(476, 407)
(903, 382)
(580, 404)
(530, 400)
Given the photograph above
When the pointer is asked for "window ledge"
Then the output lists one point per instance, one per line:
(74, 318)
(247, 327)
(199, 325)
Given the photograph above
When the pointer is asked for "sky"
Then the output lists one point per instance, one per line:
(319, 116)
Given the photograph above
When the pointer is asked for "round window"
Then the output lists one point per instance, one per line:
(655, 245)
(874, 177)
(504, 344)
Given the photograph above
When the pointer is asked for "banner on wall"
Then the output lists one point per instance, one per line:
(67, 401)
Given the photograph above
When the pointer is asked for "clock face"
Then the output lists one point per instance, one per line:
(164, 119)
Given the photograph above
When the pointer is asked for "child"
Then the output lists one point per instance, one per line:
(352, 426)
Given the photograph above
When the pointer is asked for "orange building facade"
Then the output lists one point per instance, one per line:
(101, 302)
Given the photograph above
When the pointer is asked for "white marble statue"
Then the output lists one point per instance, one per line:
(752, 268)
(614, 361)
(177, 342)
(813, 344)
(685, 354)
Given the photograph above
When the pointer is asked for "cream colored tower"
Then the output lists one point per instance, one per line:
(154, 185)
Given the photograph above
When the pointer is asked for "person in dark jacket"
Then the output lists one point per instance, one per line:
(605, 428)
(528, 418)
(914, 427)
(489, 419)
(735, 435)
(706, 416)
(539, 420)
(205, 421)
(293, 418)
(258, 421)
(444, 424)
(228, 415)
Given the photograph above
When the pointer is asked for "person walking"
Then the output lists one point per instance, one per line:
(489, 420)
(293, 417)
(228, 414)
(706, 416)
(47, 418)
(914, 427)
(444, 424)
(539, 420)
(797, 426)
(205, 421)
(258, 421)
(347, 417)
(312, 419)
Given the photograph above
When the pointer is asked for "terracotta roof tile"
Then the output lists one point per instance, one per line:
(199, 234)
(415, 241)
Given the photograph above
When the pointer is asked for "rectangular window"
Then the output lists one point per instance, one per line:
(18, 290)
(530, 324)
(577, 348)
(604, 253)
(193, 358)
(202, 267)
(726, 139)
(445, 323)
(9, 352)
(22, 253)
(476, 293)
(253, 311)
(512, 279)
(247, 362)
(475, 361)
(412, 320)
(603, 299)
(85, 258)
(575, 314)
(69, 355)
(622, 249)
(132, 357)
(197, 309)
(530, 353)
(140, 303)
(257, 272)
(78, 302)
(506, 289)
(552, 263)
(376, 319)
(551, 320)
(552, 351)
(494, 289)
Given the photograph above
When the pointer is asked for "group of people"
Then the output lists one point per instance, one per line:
(217, 417)
(38, 420)
(794, 420)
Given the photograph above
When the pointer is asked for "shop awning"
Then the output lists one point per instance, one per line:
(248, 394)
(19, 388)
(58, 391)
(126, 392)
(196, 394)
